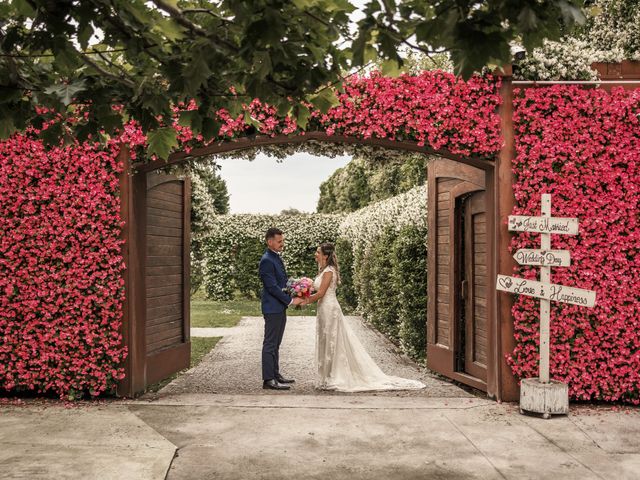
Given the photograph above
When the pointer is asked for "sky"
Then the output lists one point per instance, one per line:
(266, 185)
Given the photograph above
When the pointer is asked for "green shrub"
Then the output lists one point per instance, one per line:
(196, 269)
(234, 244)
(218, 271)
(410, 284)
(346, 291)
(246, 257)
(377, 287)
(389, 266)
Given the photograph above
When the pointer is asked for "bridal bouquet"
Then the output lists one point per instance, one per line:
(299, 287)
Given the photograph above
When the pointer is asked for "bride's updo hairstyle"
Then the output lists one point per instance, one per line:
(329, 250)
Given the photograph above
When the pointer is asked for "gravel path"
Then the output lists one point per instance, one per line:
(233, 366)
(213, 332)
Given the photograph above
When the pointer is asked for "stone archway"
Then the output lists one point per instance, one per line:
(497, 184)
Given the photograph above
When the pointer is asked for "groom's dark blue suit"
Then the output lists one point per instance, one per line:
(274, 309)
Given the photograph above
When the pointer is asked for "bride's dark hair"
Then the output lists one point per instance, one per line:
(329, 250)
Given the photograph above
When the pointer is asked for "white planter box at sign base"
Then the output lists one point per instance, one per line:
(546, 398)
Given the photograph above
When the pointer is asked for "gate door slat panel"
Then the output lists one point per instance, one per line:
(167, 239)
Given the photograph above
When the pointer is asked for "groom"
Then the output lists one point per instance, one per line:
(274, 310)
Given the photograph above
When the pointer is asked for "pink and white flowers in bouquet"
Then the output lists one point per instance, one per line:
(299, 287)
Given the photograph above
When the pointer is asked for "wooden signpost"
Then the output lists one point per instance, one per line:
(540, 395)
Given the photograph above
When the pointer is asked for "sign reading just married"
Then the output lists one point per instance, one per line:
(539, 394)
(521, 223)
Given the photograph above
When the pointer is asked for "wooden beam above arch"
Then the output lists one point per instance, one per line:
(249, 142)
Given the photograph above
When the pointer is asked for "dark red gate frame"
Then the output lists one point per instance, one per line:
(501, 384)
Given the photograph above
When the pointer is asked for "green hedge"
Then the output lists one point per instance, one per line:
(234, 245)
(374, 284)
(409, 279)
(346, 293)
(388, 283)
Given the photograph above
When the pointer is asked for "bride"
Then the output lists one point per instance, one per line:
(343, 363)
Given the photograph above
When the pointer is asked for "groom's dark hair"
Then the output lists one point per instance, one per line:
(272, 232)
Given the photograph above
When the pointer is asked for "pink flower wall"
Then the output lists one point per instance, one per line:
(583, 147)
(434, 109)
(61, 286)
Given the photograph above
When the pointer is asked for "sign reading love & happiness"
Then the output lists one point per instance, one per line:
(548, 291)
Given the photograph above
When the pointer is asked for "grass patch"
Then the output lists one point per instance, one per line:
(200, 346)
(210, 314)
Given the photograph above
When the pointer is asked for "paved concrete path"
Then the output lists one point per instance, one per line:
(233, 366)
(292, 437)
(82, 442)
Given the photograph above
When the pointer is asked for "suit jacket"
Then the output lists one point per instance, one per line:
(274, 279)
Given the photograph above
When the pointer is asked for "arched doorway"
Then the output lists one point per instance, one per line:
(469, 337)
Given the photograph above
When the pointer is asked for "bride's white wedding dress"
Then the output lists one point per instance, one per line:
(343, 363)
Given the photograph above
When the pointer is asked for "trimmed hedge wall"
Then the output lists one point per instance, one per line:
(233, 246)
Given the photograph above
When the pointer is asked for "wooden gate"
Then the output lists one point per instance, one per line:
(167, 283)
(472, 314)
(459, 271)
(156, 308)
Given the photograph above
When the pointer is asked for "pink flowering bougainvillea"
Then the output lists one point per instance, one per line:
(434, 109)
(583, 147)
(60, 268)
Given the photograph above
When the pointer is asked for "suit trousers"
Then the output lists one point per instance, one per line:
(274, 324)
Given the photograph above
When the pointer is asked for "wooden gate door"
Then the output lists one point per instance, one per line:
(473, 312)
(166, 276)
(458, 310)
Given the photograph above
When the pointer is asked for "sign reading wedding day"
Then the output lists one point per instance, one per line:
(539, 394)
(543, 258)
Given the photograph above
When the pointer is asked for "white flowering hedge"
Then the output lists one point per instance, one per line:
(610, 34)
(570, 59)
(233, 246)
(613, 30)
(382, 250)
(364, 226)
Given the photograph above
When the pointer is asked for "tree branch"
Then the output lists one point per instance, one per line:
(124, 80)
(179, 17)
(399, 38)
(45, 55)
(13, 67)
(113, 18)
(210, 12)
(123, 72)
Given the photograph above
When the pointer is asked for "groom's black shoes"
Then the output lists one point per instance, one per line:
(274, 385)
(281, 379)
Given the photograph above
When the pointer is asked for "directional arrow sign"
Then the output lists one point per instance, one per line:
(548, 291)
(544, 258)
(565, 226)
